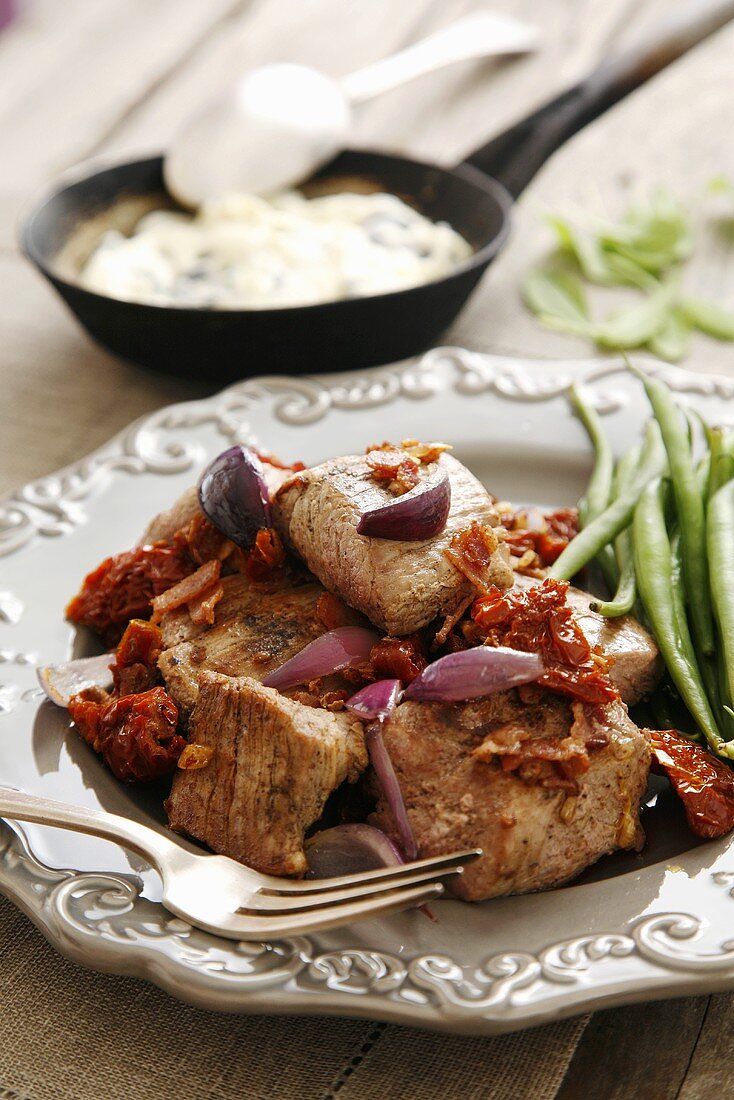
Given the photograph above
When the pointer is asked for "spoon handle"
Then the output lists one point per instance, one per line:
(482, 34)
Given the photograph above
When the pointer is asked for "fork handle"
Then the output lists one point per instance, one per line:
(132, 835)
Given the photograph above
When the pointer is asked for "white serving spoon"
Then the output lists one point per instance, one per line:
(280, 122)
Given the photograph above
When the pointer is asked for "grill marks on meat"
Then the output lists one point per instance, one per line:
(400, 586)
(256, 629)
(274, 764)
(458, 792)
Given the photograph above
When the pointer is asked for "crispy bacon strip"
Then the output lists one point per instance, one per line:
(471, 552)
(201, 609)
(399, 469)
(266, 555)
(704, 784)
(190, 590)
(203, 541)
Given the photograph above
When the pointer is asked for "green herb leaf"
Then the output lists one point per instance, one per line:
(672, 341)
(624, 271)
(556, 295)
(709, 317)
(655, 236)
(584, 249)
(635, 326)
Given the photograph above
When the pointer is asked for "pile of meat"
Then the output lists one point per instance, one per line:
(544, 778)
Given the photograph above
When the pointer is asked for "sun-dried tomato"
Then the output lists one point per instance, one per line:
(333, 612)
(547, 538)
(539, 620)
(123, 586)
(135, 668)
(398, 658)
(136, 735)
(266, 555)
(704, 784)
(471, 551)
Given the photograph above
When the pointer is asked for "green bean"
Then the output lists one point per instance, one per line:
(721, 463)
(599, 488)
(662, 596)
(689, 508)
(710, 676)
(613, 519)
(720, 540)
(703, 477)
(625, 592)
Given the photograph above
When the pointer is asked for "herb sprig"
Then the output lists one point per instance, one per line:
(645, 252)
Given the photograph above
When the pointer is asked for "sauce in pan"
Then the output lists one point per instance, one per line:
(248, 252)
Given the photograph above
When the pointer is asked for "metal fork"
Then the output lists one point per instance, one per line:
(225, 897)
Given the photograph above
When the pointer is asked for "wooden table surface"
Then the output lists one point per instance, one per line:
(112, 78)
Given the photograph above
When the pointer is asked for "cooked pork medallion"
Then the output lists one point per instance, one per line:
(545, 787)
(256, 629)
(166, 524)
(274, 764)
(400, 586)
(636, 662)
(545, 779)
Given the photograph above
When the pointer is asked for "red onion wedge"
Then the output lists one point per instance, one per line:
(347, 645)
(376, 701)
(348, 849)
(472, 673)
(386, 777)
(417, 515)
(234, 496)
(60, 682)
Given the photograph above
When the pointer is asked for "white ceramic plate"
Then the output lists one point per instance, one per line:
(636, 927)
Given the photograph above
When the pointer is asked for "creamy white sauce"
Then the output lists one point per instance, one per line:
(249, 252)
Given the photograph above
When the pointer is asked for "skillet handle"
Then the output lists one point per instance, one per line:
(515, 156)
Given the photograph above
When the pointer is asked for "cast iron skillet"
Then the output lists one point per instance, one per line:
(220, 346)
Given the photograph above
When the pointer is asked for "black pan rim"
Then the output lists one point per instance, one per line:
(479, 259)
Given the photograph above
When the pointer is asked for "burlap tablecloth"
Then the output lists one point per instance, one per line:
(68, 1033)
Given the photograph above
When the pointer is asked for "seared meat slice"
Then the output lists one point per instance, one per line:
(165, 525)
(449, 762)
(275, 763)
(256, 628)
(400, 586)
(637, 666)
